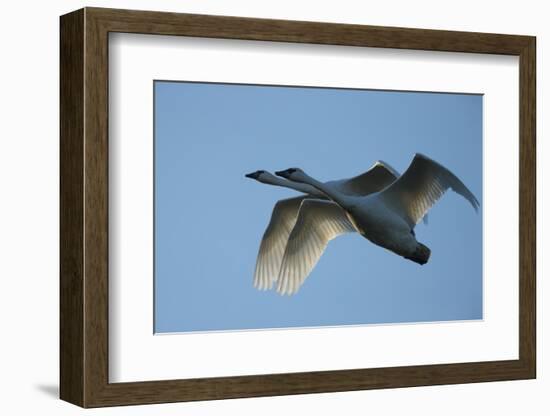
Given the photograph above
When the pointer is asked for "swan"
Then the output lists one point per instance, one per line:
(379, 175)
(286, 211)
(386, 218)
(264, 176)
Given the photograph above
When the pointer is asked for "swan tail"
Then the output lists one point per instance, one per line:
(421, 255)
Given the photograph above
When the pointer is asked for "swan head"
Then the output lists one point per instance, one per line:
(293, 174)
(255, 175)
(263, 177)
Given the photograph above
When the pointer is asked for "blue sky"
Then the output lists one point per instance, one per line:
(209, 218)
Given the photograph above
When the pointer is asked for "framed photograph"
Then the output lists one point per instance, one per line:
(255, 207)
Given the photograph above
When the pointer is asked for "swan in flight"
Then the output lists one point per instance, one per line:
(386, 218)
(264, 176)
(286, 212)
(375, 179)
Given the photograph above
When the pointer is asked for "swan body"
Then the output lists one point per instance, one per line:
(287, 212)
(381, 225)
(386, 218)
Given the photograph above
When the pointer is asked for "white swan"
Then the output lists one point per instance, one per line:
(386, 218)
(376, 178)
(264, 176)
(285, 213)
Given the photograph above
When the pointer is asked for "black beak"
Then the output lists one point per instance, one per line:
(254, 175)
(280, 172)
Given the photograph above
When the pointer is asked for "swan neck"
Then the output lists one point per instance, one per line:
(336, 197)
(300, 187)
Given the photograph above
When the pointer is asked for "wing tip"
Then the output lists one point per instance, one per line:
(285, 284)
(423, 156)
(262, 283)
(387, 166)
(471, 197)
(475, 203)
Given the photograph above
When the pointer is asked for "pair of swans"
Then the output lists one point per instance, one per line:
(286, 212)
(381, 205)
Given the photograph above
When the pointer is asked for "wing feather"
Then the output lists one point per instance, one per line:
(318, 222)
(421, 186)
(272, 247)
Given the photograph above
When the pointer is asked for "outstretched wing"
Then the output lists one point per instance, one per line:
(318, 222)
(420, 187)
(272, 247)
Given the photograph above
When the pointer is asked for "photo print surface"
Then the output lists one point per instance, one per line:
(295, 207)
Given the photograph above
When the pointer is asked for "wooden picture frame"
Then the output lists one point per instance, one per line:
(84, 207)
